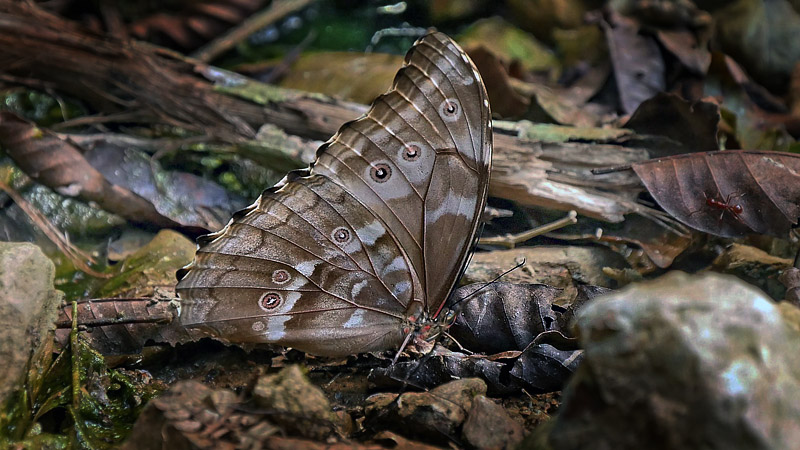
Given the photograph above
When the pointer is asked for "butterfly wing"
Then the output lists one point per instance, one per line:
(306, 266)
(430, 136)
(334, 261)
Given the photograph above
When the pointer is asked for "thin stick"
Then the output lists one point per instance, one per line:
(101, 322)
(511, 240)
(604, 170)
(76, 375)
(77, 256)
(277, 10)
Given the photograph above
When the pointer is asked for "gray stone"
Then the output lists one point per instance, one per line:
(433, 416)
(490, 427)
(294, 403)
(28, 308)
(683, 362)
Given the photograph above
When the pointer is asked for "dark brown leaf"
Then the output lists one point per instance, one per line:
(638, 64)
(692, 124)
(504, 99)
(729, 193)
(504, 316)
(545, 368)
(509, 316)
(183, 197)
(688, 48)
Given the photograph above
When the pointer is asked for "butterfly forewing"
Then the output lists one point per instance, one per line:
(457, 194)
(438, 153)
(340, 259)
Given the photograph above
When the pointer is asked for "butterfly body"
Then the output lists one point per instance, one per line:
(363, 248)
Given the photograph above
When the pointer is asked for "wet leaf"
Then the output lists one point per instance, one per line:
(120, 180)
(60, 166)
(180, 196)
(728, 193)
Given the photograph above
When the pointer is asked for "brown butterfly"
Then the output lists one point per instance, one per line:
(361, 250)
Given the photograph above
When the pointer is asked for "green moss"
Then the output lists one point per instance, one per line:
(42, 414)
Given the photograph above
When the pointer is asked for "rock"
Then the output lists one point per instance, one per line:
(151, 266)
(295, 404)
(558, 266)
(754, 266)
(434, 416)
(28, 308)
(684, 361)
(490, 427)
(183, 417)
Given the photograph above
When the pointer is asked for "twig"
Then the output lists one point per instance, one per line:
(605, 170)
(277, 10)
(511, 240)
(77, 256)
(76, 375)
(105, 321)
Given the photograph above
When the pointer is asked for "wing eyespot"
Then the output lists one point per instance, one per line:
(450, 110)
(380, 173)
(411, 152)
(281, 276)
(270, 300)
(341, 235)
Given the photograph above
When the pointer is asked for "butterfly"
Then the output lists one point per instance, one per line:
(361, 250)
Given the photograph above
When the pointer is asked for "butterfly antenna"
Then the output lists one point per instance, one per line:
(488, 283)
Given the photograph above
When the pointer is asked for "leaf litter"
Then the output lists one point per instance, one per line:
(644, 66)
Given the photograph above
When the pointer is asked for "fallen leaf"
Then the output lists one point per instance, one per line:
(762, 36)
(727, 193)
(505, 101)
(692, 124)
(637, 61)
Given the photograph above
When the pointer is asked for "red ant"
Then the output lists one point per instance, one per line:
(725, 205)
